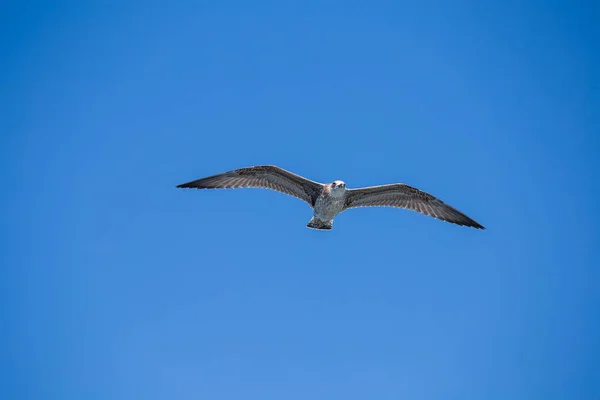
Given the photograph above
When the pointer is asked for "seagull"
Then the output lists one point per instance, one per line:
(328, 200)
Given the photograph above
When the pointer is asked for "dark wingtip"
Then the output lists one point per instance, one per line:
(478, 226)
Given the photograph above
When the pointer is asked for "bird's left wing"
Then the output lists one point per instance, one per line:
(403, 196)
(262, 176)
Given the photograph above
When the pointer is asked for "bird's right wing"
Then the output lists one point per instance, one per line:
(403, 196)
(262, 176)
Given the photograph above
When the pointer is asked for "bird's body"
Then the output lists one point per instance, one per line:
(328, 200)
(329, 204)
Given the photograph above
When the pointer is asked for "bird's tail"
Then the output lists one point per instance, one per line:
(316, 223)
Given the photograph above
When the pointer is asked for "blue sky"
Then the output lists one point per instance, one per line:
(117, 285)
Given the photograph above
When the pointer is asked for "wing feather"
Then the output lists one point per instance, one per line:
(400, 195)
(261, 176)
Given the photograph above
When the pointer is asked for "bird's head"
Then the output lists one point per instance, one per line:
(338, 185)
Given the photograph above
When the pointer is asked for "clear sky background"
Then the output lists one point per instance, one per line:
(117, 285)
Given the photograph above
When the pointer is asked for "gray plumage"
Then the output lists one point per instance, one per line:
(328, 200)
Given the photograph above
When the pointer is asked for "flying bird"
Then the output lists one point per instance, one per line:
(328, 200)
